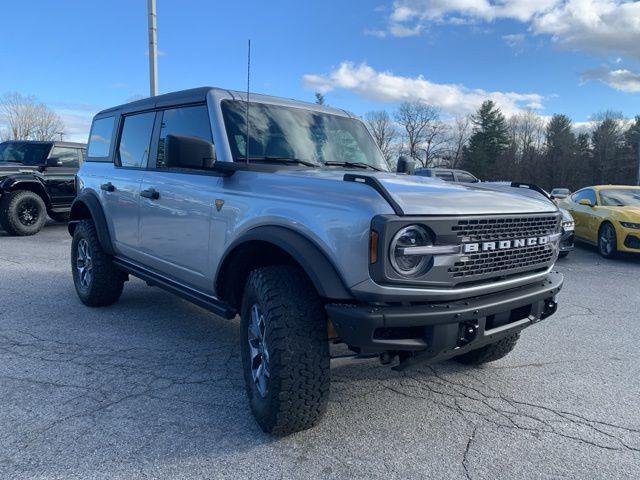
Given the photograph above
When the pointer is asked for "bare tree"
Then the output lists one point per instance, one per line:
(458, 138)
(384, 132)
(28, 119)
(422, 129)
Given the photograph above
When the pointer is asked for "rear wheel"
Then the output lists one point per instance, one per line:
(97, 280)
(22, 212)
(285, 350)
(489, 353)
(607, 241)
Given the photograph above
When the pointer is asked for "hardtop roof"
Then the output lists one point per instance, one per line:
(199, 95)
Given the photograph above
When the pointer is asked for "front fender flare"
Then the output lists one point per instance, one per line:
(314, 262)
(17, 182)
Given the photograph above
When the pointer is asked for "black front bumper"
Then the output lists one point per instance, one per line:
(443, 330)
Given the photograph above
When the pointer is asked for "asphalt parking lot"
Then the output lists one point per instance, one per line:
(151, 388)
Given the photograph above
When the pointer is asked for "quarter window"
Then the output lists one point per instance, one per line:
(67, 157)
(184, 121)
(135, 139)
(446, 176)
(100, 137)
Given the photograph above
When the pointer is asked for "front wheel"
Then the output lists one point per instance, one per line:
(489, 353)
(22, 212)
(285, 350)
(607, 241)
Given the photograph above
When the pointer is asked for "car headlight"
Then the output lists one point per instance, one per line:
(411, 264)
(568, 226)
(633, 225)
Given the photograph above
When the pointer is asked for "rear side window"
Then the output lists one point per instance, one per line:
(100, 137)
(135, 140)
(66, 157)
(184, 121)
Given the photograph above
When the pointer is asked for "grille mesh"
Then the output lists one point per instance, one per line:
(502, 261)
(488, 229)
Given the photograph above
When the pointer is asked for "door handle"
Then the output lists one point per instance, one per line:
(107, 187)
(151, 193)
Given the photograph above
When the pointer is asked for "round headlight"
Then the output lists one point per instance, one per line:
(411, 236)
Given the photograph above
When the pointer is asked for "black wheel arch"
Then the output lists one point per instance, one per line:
(87, 206)
(32, 184)
(272, 245)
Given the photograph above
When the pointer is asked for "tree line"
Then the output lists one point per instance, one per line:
(525, 147)
(25, 118)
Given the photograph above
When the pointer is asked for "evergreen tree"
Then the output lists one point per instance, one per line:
(583, 174)
(560, 154)
(632, 151)
(489, 141)
(319, 98)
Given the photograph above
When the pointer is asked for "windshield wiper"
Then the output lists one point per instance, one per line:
(279, 159)
(353, 164)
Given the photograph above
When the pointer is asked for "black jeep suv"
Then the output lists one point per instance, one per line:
(36, 179)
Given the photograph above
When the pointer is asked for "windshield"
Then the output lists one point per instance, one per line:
(277, 132)
(620, 197)
(560, 191)
(24, 153)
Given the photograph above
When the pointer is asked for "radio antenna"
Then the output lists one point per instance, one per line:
(246, 140)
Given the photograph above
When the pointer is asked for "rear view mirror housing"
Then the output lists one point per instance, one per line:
(406, 165)
(586, 202)
(53, 162)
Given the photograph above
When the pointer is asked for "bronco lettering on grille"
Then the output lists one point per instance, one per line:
(505, 244)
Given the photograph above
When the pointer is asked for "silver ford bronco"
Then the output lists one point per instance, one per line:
(287, 214)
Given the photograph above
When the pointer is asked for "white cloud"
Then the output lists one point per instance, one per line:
(620, 79)
(515, 41)
(597, 26)
(387, 87)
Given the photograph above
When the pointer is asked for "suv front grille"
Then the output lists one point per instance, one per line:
(489, 229)
(504, 261)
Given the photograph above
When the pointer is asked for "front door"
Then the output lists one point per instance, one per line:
(177, 203)
(60, 174)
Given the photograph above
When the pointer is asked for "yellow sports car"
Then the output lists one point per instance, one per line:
(607, 216)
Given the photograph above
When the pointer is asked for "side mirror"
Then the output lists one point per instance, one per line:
(53, 162)
(406, 165)
(586, 202)
(189, 152)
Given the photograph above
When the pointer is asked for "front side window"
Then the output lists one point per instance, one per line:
(466, 177)
(446, 176)
(620, 197)
(24, 153)
(279, 133)
(66, 157)
(100, 137)
(586, 193)
(182, 122)
(135, 140)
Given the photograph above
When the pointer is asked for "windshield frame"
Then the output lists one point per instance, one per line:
(47, 146)
(603, 194)
(360, 133)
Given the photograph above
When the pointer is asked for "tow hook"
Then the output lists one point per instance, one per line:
(468, 332)
(550, 307)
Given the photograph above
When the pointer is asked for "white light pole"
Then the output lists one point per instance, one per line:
(153, 48)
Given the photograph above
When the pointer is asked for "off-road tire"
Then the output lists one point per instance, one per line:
(12, 219)
(489, 353)
(60, 217)
(298, 350)
(107, 281)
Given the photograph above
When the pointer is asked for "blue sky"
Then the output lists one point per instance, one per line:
(577, 57)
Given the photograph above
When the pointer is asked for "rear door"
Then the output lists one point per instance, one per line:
(175, 215)
(121, 191)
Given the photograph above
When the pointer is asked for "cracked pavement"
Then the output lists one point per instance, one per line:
(152, 388)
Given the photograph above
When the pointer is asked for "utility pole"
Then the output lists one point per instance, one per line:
(153, 48)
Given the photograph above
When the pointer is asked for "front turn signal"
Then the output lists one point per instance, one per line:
(373, 247)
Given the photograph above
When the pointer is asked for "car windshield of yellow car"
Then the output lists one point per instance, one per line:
(620, 197)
